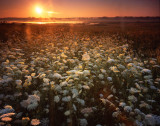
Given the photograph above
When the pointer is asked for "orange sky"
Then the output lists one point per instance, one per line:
(79, 8)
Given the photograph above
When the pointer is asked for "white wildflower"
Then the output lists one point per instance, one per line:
(115, 114)
(137, 111)
(127, 109)
(74, 107)
(101, 76)
(85, 57)
(67, 113)
(144, 105)
(56, 99)
(45, 80)
(138, 123)
(86, 87)
(147, 71)
(101, 95)
(110, 96)
(110, 60)
(86, 72)
(103, 71)
(81, 101)
(128, 59)
(25, 103)
(32, 106)
(149, 120)
(83, 122)
(57, 76)
(145, 89)
(33, 98)
(121, 66)
(114, 69)
(138, 86)
(132, 98)
(98, 125)
(19, 115)
(122, 104)
(64, 92)
(63, 84)
(42, 76)
(19, 83)
(57, 87)
(153, 87)
(33, 74)
(109, 78)
(29, 78)
(63, 55)
(134, 90)
(75, 93)
(35, 122)
(66, 99)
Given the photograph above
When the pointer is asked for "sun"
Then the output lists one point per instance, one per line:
(39, 10)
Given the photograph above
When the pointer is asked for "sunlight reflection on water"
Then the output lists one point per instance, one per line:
(55, 22)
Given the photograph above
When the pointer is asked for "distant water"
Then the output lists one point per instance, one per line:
(47, 22)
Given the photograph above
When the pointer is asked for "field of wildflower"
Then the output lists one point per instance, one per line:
(60, 76)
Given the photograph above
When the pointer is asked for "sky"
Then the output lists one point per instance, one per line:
(79, 8)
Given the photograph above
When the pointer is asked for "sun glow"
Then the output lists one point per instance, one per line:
(42, 11)
(50, 12)
(39, 10)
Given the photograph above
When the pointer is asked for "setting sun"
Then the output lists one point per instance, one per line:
(39, 10)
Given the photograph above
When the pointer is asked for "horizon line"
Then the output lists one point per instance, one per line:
(90, 17)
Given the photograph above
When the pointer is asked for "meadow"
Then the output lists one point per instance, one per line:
(106, 74)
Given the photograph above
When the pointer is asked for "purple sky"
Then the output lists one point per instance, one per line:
(80, 8)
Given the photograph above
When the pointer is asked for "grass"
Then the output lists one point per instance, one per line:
(80, 74)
